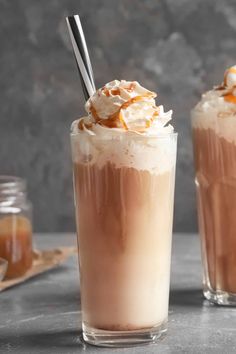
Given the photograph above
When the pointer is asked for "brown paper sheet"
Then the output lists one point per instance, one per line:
(43, 261)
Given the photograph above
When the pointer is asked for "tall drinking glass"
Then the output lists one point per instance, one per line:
(124, 192)
(215, 165)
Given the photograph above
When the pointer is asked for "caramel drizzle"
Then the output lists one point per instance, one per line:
(116, 119)
(116, 92)
(150, 121)
(220, 88)
(131, 87)
(94, 113)
(232, 70)
(82, 125)
(228, 97)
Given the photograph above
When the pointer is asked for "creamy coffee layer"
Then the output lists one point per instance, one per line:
(125, 224)
(216, 191)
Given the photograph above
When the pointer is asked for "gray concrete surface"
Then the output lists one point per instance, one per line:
(179, 48)
(42, 316)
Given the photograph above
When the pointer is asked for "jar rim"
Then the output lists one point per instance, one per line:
(8, 183)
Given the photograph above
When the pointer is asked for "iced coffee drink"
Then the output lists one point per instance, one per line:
(124, 154)
(214, 134)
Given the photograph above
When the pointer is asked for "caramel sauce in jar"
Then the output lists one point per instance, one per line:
(16, 244)
(15, 226)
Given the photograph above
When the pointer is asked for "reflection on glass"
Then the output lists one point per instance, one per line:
(3, 268)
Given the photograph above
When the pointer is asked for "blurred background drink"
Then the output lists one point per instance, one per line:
(124, 172)
(214, 138)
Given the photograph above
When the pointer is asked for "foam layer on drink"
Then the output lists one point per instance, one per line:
(217, 108)
(125, 127)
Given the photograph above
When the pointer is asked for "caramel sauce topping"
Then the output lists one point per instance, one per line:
(220, 87)
(230, 98)
(116, 120)
(106, 91)
(82, 124)
(118, 117)
(115, 92)
(94, 113)
(123, 121)
(150, 121)
(131, 87)
(228, 95)
(232, 70)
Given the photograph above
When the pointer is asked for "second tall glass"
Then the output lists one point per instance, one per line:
(215, 165)
(124, 191)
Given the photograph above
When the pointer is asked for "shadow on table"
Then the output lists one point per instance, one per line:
(186, 297)
(53, 298)
(60, 294)
(54, 340)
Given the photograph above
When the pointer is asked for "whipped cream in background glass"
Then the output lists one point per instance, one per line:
(217, 108)
(214, 141)
(124, 154)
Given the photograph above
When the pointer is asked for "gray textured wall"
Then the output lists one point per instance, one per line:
(177, 47)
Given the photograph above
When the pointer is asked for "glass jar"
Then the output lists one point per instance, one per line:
(15, 226)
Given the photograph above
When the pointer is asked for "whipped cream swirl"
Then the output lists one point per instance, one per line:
(217, 108)
(121, 107)
(230, 79)
(228, 87)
